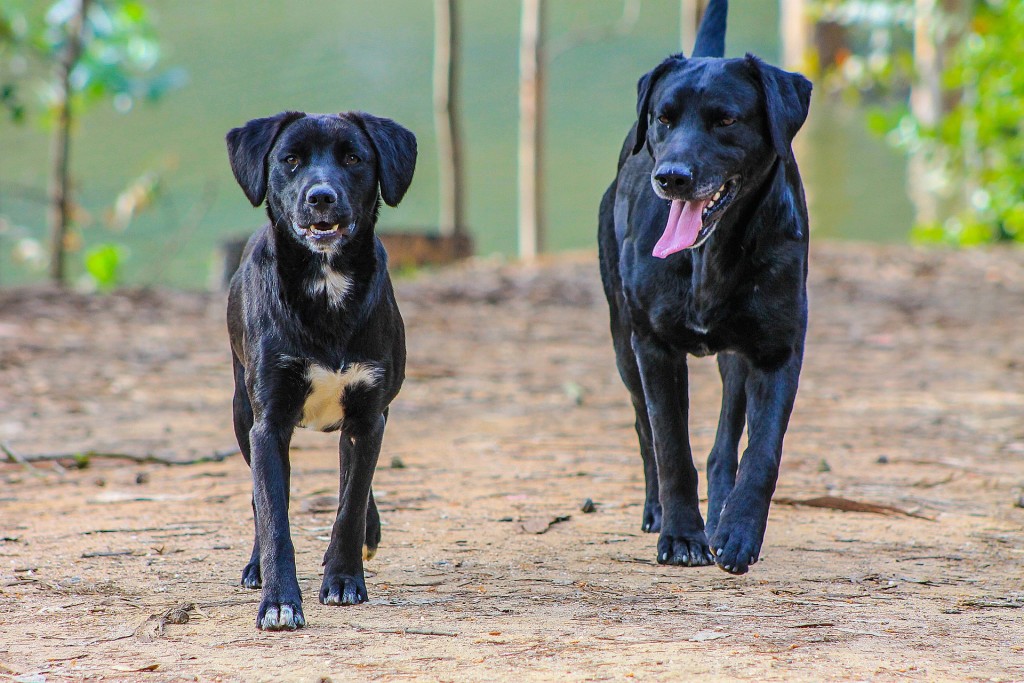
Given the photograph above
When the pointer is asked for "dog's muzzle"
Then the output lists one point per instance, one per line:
(323, 235)
(691, 221)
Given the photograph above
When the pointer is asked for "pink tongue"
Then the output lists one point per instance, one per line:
(684, 220)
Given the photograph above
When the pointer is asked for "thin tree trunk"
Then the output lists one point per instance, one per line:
(531, 107)
(690, 13)
(938, 26)
(60, 200)
(795, 27)
(446, 112)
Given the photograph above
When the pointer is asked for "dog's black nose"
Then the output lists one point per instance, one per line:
(675, 177)
(321, 196)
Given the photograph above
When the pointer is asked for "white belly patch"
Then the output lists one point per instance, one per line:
(323, 409)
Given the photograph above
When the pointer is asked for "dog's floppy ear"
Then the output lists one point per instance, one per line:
(787, 99)
(644, 87)
(248, 148)
(396, 154)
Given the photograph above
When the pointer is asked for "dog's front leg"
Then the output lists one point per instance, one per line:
(664, 378)
(770, 395)
(724, 457)
(281, 606)
(344, 583)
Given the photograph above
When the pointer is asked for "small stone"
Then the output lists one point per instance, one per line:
(1020, 502)
(397, 464)
(823, 466)
(882, 459)
(588, 506)
(142, 478)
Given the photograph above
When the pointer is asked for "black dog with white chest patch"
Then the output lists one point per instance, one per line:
(703, 240)
(316, 336)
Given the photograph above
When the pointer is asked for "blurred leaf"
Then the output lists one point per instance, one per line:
(103, 264)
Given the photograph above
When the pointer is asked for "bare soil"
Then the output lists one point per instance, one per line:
(512, 416)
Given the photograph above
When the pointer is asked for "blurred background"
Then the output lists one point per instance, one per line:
(140, 94)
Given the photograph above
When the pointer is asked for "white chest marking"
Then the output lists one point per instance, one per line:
(332, 284)
(323, 409)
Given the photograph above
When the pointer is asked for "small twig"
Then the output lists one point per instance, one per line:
(124, 531)
(406, 631)
(115, 553)
(13, 456)
(1010, 603)
(145, 458)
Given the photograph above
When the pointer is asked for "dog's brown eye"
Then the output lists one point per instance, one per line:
(663, 119)
(291, 160)
(351, 159)
(726, 122)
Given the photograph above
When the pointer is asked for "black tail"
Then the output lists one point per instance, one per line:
(711, 35)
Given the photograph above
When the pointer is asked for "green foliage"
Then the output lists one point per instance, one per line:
(977, 149)
(119, 55)
(13, 28)
(982, 139)
(117, 62)
(877, 63)
(103, 264)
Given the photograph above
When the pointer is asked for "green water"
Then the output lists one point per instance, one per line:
(246, 59)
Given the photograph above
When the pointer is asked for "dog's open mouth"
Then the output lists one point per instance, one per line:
(691, 222)
(324, 230)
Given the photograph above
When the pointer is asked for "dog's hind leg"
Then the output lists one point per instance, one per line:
(724, 455)
(242, 414)
(344, 583)
(652, 505)
(625, 359)
(630, 374)
(740, 530)
(372, 541)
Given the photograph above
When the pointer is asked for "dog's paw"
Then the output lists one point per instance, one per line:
(652, 518)
(343, 589)
(689, 551)
(251, 576)
(279, 616)
(736, 546)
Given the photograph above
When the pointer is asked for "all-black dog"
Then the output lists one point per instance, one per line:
(316, 336)
(703, 241)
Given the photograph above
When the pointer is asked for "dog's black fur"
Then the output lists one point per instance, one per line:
(732, 283)
(316, 336)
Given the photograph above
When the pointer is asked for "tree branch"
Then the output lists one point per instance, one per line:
(142, 459)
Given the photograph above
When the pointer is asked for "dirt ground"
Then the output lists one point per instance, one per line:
(511, 417)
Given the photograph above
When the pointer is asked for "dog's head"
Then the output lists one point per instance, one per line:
(714, 127)
(320, 174)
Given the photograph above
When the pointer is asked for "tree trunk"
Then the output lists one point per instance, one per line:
(531, 107)
(60, 200)
(446, 123)
(795, 27)
(938, 27)
(690, 13)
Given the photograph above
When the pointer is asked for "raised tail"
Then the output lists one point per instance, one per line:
(711, 35)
